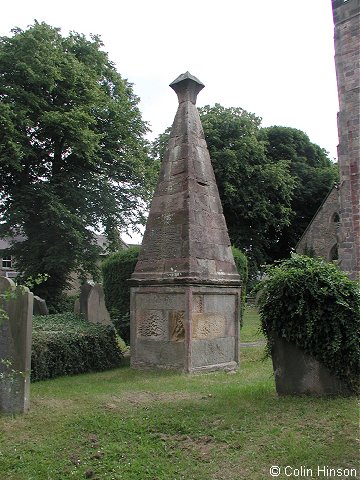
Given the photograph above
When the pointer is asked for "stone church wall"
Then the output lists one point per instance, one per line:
(320, 237)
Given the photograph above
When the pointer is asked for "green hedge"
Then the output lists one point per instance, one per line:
(310, 303)
(66, 344)
(116, 270)
(241, 263)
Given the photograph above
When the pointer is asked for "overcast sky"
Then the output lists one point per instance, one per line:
(274, 58)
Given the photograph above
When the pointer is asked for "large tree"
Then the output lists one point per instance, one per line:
(314, 174)
(255, 192)
(72, 154)
(271, 180)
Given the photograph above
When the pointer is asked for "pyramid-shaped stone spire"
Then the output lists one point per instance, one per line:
(186, 238)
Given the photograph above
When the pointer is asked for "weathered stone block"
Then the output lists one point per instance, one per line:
(159, 354)
(40, 307)
(160, 300)
(177, 325)
(15, 348)
(297, 373)
(152, 324)
(213, 352)
(208, 325)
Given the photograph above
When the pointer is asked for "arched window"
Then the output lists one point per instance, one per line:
(333, 254)
(336, 217)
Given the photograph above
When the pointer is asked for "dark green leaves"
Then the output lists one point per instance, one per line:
(255, 191)
(310, 303)
(72, 154)
(66, 344)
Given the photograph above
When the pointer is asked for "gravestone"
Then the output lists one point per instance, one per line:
(96, 310)
(77, 306)
(297, 373)
(40, 307)
(92, 304)
(15, 348)
(185, 290)
(85, 290)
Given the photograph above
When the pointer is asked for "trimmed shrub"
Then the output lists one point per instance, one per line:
(66, 344)
(241, 262)
(312, 304)
(116, 270)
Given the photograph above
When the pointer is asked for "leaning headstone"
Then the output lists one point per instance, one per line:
(97, 311)
(297, 373)
(85, 290)
(15, 347)
(92, 304)
(77, 306)
(40, 307)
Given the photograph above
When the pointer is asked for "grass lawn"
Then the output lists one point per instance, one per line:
(125, 424)
(250, 331)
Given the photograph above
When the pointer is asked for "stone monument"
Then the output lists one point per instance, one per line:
(92, 304)
(185, 290)
(15, 347)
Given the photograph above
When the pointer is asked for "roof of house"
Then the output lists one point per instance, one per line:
(101, 241)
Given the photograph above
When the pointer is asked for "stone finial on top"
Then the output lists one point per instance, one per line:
(187, 87)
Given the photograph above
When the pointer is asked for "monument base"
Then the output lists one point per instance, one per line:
(191, 328)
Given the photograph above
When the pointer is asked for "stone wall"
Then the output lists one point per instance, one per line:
(347, 55)
(320, 237)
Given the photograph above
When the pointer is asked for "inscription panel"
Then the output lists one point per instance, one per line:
(208, 325)
(198, 303)
(214, 351)
(152, 324)
(160, 301)
(162, 242)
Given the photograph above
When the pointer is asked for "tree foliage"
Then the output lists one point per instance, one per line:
(271, 180)
(314, 175)
(255, 191)
(241, 263)
(72, 154)
(117, 270)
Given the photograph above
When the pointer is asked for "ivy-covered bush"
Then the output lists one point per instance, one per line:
(312, 304)
(241, 262)
(62, 304)
(116, 270)
(66, 344)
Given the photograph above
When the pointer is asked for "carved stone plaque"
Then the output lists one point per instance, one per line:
(208, 325)
(177, 327)
(151, 324)
(198, 303)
